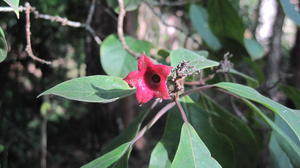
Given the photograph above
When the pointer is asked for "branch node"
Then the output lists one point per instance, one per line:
(28, 36)
(121, 31)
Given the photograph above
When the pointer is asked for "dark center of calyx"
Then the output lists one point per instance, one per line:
(155, 78)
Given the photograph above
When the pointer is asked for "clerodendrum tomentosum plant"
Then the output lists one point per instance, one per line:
(200, 132)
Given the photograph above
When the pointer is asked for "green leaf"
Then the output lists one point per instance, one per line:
(118, 62)
(203, 53)
(225, 21)
(163, 52)
(98, 88)
(250, 81)
(14, 4)
(123, 162)
(132, 4)
(290, 11)
(242, 138)
(126, 136)
(289, 144)
(2, 148)
(199, 18)
(279, 157)
(195, 59)
(128, 133)
(255, 49)
(289, 155)
(164, 151)
(192, 152)
(292, 93)
(290, 116)
(3, 46)
(112, 3)
(109, 158)
(159, 157)
(219, 144)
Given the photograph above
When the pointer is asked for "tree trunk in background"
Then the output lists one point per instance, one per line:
(295, 62)
(275, 55)
(273, 70)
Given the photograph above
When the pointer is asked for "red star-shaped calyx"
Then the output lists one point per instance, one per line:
(150, 80)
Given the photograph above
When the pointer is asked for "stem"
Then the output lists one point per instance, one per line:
(153, 121)
(230, 94)
(197, 90)
(165, 109)
(28, 37)
(183, 115)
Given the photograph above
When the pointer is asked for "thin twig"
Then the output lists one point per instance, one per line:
(121, 31)
(28, 37)
(165, 109)
(188, 92)
(88, 22)
(65, 22)
(91, 13)
(183, 115)
(229, 93)
(168, 25)
(10, 9)
(201, 81)
(153, 121)
(62, 20)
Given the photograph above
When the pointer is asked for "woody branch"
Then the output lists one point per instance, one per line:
(28, 9)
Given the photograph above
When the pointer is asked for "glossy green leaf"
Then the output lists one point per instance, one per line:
(3, 46)
(219, 144)
(203, 53)
(290, 10)
(159, 157)
(123, 162)
(192, 152)
(164, 151)
(254, 49)
(163, 52)
(243, 139)
(195, 59)
(14, 4)
(118, 62)
(279, 157)
(292, 93)
(225, 21)
(199, 18)
(288, 142)
(98, 88)
(286, 154)
(109, 158)
(290, 116)
(128, 133)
